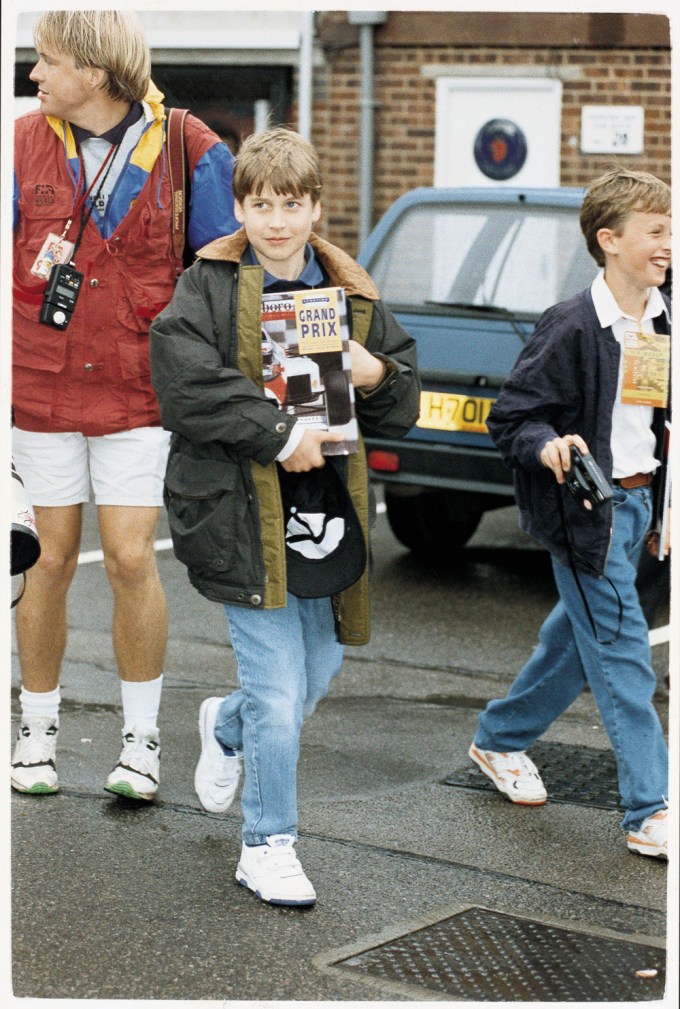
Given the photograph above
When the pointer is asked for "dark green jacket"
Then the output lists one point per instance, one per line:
(222, 488)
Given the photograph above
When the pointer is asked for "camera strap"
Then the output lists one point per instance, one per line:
(178, 172)
(574, 571)
(85, 210)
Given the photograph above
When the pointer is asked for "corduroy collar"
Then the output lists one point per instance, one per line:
(342, 270)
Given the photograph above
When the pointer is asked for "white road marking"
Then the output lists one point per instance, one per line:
(659, 636)
(95, 556)
(92, 556)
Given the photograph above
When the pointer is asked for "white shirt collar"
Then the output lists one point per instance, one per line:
(608, 311)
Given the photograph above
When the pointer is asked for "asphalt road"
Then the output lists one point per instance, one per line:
(111, 901)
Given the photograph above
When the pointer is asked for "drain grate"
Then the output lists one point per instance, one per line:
(481, 955)
(579, 774)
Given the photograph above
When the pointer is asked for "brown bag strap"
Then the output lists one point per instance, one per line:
(178, 172)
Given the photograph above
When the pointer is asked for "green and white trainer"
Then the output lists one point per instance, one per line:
(137, 773)
(34, 769)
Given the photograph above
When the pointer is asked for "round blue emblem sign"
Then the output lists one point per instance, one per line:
(500, 149)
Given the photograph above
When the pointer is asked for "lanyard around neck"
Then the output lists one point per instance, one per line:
(80, 207)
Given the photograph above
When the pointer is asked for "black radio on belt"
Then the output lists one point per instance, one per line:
(586, 480)
(61, 294)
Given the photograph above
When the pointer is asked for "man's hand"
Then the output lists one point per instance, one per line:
(308, 455)
(367, 371)
(555, 454)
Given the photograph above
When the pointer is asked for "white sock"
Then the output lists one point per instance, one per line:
(43, 705)
(141, 702)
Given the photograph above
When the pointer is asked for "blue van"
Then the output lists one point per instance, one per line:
(467, 272)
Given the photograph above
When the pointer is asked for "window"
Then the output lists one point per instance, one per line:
(516, 257)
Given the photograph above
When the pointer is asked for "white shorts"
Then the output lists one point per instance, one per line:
(127, 468)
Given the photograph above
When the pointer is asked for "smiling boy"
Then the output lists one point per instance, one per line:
(580, 381)
(236, 464)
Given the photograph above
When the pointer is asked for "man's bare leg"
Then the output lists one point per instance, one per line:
(140, 613)
(41, 614)
(41, 635)
(140, 627)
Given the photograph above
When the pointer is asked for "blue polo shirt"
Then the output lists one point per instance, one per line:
(312, 275)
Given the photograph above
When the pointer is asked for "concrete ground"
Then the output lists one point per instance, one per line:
(114, 901)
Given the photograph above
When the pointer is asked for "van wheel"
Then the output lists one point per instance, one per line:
(436, 525)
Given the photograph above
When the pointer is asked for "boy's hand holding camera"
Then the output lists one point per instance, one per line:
(578, 470)
(556, 455)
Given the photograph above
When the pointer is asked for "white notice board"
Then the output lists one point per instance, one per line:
(612, 129)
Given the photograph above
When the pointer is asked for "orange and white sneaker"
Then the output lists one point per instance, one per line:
(651, 837)
(513, 774)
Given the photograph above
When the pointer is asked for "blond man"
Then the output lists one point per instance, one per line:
(92, 187)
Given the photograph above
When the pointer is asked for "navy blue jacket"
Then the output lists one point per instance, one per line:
(563, 382)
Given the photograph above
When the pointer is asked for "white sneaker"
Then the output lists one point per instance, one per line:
(217, 773)
(651, 837)
(274, 873)
(513, 774)
(137, 773)
(34, 769)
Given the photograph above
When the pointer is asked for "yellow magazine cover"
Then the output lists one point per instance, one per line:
(306, 363)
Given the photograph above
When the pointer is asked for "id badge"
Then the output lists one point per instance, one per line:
(55, 249)
(646, 369)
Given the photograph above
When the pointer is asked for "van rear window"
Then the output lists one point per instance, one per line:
(520, 258)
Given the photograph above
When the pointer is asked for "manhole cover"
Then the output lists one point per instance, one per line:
(482, 955)
(579, 774)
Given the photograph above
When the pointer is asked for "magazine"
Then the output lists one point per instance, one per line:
(306, 361)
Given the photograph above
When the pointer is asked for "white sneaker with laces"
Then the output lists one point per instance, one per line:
(217, 773)
(137, 773)
(651, 837)
(273, 872)
(513, 774)
(34, 769)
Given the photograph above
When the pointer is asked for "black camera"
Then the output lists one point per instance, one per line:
(586, 480)
(61, 294)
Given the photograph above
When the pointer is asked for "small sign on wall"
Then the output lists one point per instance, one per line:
(612, 129)
(497, 131)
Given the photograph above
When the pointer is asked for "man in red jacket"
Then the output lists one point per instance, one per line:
(92, 193)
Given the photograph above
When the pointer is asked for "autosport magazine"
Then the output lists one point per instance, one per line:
(306, 361)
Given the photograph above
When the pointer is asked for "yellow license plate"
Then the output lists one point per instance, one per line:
(445, 411)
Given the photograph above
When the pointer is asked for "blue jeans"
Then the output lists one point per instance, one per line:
(620, 675)
(286, 660)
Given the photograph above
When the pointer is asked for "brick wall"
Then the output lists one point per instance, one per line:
(405, 111)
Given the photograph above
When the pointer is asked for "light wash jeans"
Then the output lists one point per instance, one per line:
(619, 674)
(286, 660)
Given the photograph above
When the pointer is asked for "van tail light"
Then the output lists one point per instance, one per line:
(383, 462)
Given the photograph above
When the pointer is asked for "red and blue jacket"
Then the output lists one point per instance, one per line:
(94, 376)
